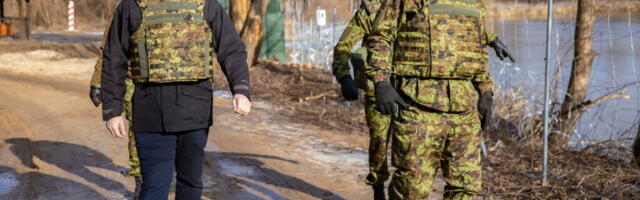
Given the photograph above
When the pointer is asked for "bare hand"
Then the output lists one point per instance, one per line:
(241, 104)
(116, 127)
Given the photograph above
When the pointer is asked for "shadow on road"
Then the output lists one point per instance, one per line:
(72, 158)
(35, 185)
(247, 170)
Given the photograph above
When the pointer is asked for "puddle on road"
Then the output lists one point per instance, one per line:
(344, 160)
(255, 104)
(8, 182)
(336, 158)
(222, 94)
(234, 168)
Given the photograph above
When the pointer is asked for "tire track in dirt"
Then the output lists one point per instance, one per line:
(47, 137)
(50, 116)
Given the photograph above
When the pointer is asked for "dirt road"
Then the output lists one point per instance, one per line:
(53, 146)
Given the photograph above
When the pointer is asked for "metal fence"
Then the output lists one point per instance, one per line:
(310, 42)
(615, 67)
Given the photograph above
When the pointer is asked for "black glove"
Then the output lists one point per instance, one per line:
(485, 107)
(388, 101)
(349, 90)
(502, 51)
(95, 93)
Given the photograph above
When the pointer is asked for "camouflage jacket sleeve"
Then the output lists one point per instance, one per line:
(380, 42)
(97, 73)
(484, 82)
(488, 37)
(356, 30)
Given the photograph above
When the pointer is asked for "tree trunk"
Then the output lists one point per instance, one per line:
(239, 10)
(253, 32)
(636, 148)
(1, 8)
(20, 13)
(580, 74)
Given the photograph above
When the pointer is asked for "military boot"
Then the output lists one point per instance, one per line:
(136, 193)
(378, 192)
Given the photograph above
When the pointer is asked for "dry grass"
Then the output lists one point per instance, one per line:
(305, 94)
(308, 95)
(52, 14)
(513, 172)
(513, 169)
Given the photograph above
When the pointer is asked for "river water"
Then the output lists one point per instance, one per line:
(616, 41)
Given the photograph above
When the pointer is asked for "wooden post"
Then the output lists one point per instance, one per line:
(253, 33)
(1, 8)
(636, 148)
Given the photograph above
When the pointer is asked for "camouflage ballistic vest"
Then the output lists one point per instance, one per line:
(173, 44)
(441, 39)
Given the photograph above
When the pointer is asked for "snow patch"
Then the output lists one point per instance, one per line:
(8, 182)
(223, 94)
(231, 167)
(346, 160)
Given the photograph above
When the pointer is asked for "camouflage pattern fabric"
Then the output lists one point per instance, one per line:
(134, 161)
(359, 62)
(442, 95)
(378, 142)
(441, 73)
(173, 43)
(357, 29)
(426, 140)
(443, 39)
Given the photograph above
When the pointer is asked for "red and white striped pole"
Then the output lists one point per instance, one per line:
(72, 17)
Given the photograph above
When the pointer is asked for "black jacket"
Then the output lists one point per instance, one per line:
(169, 107)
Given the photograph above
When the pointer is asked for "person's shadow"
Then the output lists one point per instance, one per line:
(35, 185)
(73, 158)
(264, 175)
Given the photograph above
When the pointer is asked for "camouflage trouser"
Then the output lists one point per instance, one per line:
(134, 161)
(378, 142)
(425, 140)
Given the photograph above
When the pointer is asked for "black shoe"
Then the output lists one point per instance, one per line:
(136, 194)
(378, 192)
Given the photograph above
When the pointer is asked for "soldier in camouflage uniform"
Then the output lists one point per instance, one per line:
(359, 28)
(96, 98)
(442, 91)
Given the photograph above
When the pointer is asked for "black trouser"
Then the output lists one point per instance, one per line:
(160, 152)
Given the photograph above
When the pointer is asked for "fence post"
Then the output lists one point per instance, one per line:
(27, 30)
(71, 17)
(546, 94)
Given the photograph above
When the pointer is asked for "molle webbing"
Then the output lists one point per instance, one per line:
(436, 9)
(173, 43)
(440, 39)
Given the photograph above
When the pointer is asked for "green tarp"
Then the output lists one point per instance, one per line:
(225, 4)
(273, 43)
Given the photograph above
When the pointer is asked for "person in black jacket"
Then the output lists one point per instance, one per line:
(171, 46)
